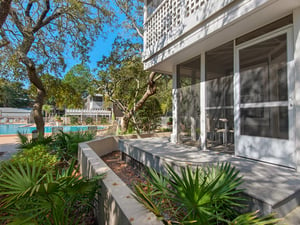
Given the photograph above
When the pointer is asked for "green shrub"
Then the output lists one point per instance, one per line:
(170, 121)
(197, 196)
(25, 142)
(89, 120)
(66, 145)
(104, 120)
(73, 120)
(148, 117)
(38, 155)
(29, 195)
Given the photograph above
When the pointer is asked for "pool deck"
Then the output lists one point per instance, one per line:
(8, 146)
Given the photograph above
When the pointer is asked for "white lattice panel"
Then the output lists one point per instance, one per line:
(168, 18)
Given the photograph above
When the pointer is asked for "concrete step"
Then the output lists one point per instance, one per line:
(293, 218)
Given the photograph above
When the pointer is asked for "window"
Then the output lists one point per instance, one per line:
(263, 83)
(188, 83)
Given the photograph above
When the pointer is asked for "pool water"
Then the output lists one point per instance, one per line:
(14, 128)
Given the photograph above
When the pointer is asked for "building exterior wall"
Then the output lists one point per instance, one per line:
(198, 30)
(206, 30)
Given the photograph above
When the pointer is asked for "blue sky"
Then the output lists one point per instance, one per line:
(102, 47)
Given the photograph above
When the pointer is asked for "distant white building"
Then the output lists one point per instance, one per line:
(14, 115)
(94, 102)
(93, 108)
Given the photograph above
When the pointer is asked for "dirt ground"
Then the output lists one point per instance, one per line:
(129, 174)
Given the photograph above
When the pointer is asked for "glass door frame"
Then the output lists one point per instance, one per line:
(240, 139)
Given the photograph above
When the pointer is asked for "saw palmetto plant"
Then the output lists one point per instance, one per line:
(200, 196)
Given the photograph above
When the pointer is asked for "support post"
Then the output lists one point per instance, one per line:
(174, 135)
(202, 104)
(296, 67)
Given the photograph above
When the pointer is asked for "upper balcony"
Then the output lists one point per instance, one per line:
(167, 20)
(173, 28)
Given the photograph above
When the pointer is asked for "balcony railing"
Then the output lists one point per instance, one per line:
(174, 18)
(88, 112)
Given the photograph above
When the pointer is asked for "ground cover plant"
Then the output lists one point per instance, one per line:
(66, 144)
(36, 189)
(39, 155)
(200, 196)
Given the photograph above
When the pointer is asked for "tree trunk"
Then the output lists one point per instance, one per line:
(125, 123)
(4, 10)
(41, 93)
(37, 112)
(151, 90)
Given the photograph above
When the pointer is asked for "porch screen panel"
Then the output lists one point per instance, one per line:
(189, 102)
(264, 89)
(219, 96)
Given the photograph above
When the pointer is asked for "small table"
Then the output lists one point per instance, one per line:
(225, 130)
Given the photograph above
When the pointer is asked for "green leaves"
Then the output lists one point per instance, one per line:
(66, 145)
(201, 196)
(13, 94)
(38, 154)
(30, 196)
(34, 190)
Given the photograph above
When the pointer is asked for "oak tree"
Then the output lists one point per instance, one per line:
(123, 79)
(40, 33)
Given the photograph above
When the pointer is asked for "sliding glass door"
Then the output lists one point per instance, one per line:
(264, 99)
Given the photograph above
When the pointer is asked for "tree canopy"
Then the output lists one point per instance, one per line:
(38, 35)
(13, 94)
(80, 78)
(123, 79)
(59, 94)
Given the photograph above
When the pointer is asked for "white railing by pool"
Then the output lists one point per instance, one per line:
(85, 112)
(174, 18)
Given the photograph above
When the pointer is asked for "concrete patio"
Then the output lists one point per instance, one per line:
(269, 188)
(8, 146)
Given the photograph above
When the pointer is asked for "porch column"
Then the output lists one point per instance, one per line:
(174, 135)
(296, 15)
(202, 104)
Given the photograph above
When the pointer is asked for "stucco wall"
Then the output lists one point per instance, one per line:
(116, 204)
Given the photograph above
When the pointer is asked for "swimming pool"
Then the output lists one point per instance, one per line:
(14, 128)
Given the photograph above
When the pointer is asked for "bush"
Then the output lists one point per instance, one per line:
(31, 196)
(38, 155)
(170, 121)
(73, 120)
(104, 120)
(27, 143)
(66, 145)
(89, 120)
(197, 196)
(148, 118)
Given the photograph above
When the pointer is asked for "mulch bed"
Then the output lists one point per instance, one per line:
(128, 173)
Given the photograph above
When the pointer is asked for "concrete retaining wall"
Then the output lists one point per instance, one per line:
(116, 204)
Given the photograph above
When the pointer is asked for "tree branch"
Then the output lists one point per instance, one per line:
(4, 40)
(4, 10)
(28, 8)
(3, 43)
(132, 20)
(18, 23)
(30, 65)
(41, 22)
(151, 90)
